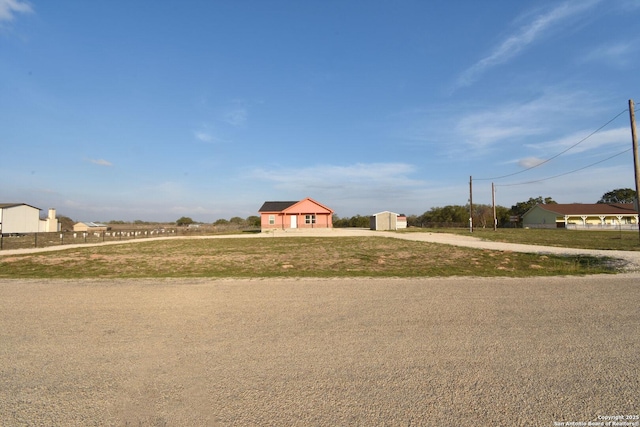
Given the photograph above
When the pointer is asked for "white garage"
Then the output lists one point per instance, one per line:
(23, 218)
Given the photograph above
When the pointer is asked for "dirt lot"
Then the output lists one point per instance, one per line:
(396, 352)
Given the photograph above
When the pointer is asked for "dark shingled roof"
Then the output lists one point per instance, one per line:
(276, 206)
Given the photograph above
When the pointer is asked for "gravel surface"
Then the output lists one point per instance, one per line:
(392, 352)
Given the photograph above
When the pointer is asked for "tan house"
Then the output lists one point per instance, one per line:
(90, 227)
(614, 216)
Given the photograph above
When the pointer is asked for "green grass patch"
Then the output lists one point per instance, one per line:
(291, 257)
(579, 239)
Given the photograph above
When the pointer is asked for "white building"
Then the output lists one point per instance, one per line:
(603, 216)
(23, 218)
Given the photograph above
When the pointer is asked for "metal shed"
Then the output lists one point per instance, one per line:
(384, 221)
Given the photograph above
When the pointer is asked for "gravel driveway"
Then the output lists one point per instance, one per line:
(394, 352)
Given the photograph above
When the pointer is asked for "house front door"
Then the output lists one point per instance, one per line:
(294, 221)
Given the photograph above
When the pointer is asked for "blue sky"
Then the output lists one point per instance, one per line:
(124, 110)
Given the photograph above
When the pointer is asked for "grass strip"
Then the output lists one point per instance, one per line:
(578, 239)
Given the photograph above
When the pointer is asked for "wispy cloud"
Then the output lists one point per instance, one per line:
(524, 36)
(100, 162)
(236, 116)
(8, 8)
(615, 54)
(208, 135)
(203, 136)
(516, 121)
(617, 139)
(530, 162)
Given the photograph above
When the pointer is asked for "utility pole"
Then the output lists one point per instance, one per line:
(493, 201)
(470, 204)
(636, 162)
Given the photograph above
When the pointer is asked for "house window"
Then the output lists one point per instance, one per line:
(309, 219)
(272, 219)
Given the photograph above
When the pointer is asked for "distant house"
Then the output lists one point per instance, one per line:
(305, 213)
(387, 221)
(90, 226)
(23, 218)
(583, 216)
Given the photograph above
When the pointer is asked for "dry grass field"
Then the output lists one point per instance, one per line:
(369, 255)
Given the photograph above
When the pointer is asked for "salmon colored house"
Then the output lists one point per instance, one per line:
(306, 213)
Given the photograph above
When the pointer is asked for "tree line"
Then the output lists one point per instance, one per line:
(458, 215)
(252, 221)
(455, 215)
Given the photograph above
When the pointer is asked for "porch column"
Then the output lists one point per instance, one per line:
(584, 220)
(566, 218)
(619, 219)
(602, 222)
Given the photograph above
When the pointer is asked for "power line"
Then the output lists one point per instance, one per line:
(557, 155)
(566, 173)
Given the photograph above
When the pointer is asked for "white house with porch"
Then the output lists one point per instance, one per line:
(614, 216)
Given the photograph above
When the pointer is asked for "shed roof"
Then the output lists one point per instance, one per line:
(385, 212)
(589, 209)
(92, 224)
